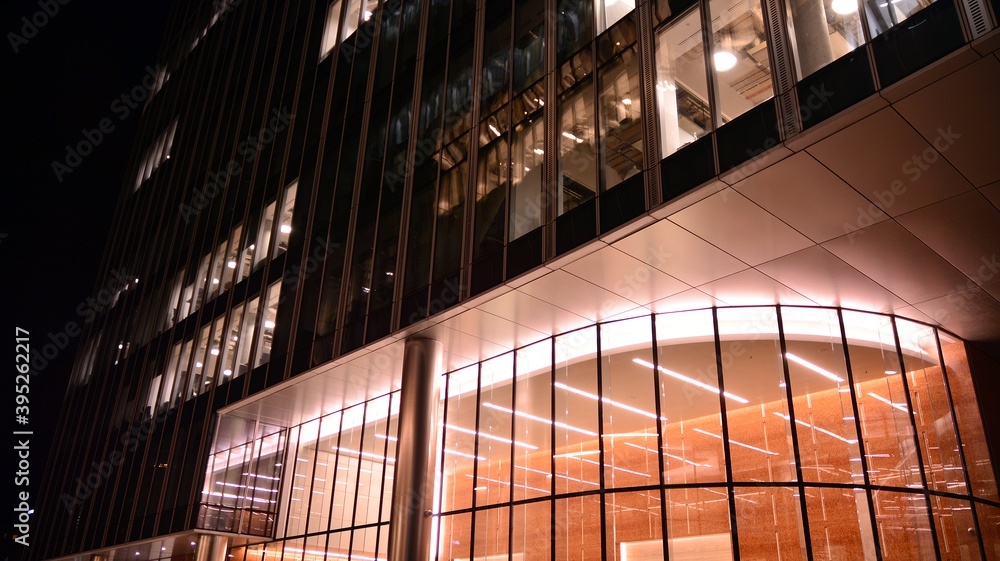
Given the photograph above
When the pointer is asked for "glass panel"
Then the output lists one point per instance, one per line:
(529, 43)
(231, 342)
(883, 14)
(931, 408)
(698, 524)
(610, 11)
(349, 460)
(321, 485)
(689, 399)
(372, 470)
(459, 440)
(824, 414)
(577, 145)
(266, 337)
(840, 525)
(903, 526)
(681, 86)
(989, 528)
(200, 283)
(246, 336)
(769, 522)
(575, 23)
(578, 528)
(492, 531)
(232, 258)
(577, 447)
(285, 219)
(351, 21)
(214, 350)
(456, 537)
(634, 526)
(302, 474)
(621, 123)
(759, 426)
(493, 470)
(491, 193)
(956, 529)
(822, 32)
(496, 56)
(260, 249)
(740, 59)
(533, 402)
(970, 424)
(181, 381)
(195, 386)
(451, 214)
(531, 540)
(885, 415)
(526, 176)
(364, 543)
(628, 402)
(330, 29)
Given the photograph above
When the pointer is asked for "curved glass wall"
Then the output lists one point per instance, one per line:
(730, 433)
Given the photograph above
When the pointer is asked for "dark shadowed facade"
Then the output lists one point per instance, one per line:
(548, 280)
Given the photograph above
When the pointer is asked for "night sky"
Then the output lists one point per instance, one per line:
(62, 80)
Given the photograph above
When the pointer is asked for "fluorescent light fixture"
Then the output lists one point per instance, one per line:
(824, 431)
(691, 381)
(214, 352)
(627, 101)
(724, 60)
(578, 454)
(463, 454)
(822, 372)
(227, 372)
(384, 437)
(539, 151)
(495, 130)
(572, 137)
(540, 419)
(286, 228)
(731, 441)
(571, 389)
(268, 324)
(231, 264)
(899, 406)
(491, 437)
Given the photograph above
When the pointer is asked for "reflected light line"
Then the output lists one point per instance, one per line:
(540, 419)
(731, 441)
(691, 381)
(609, 401)
(384, 437)
(887, 402)
(824, 431)
(490, 437)
(821, 371)
(463, 454)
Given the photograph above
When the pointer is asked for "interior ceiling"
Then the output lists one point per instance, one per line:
(814, 222)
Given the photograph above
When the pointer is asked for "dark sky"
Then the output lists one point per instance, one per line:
(63, 80)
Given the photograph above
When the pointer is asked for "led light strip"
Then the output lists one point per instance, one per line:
(731, 441)
(822, 372)
(491, 437)
(691, 381)
(540, 419)
(609, 401)
(824, 431)
(899, 406)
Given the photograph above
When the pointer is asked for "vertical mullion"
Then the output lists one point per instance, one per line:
(552, 449)
(385, 462)
(600, 440)
(958, 442)
(664, 512)
(916, 435)
(795, 440)
(513, 435)
(441, 466)
(357, 479)
(861, 440)
(730, 489)
(475, 460)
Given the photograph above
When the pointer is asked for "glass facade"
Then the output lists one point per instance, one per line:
(316, 177)
(723, 433)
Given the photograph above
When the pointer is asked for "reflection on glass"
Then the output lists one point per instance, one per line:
(956, 529)
(634, 528)
(459, 440)
(578, 528)
(610, 11)
(529, 43)
(260, 249)
(266, 337)
(285, 219)
(533, 400)
(884, 14)
(451, 211)
(759, 424)
(698, 524)
(352, 20)
(531, 531)
(494, 444)
(740, 58)
(249, 323)
(577, 149)
(574, 24)
(681, 85)
(526, 176)
(822, 32)
(840, 524)
(492, 531)
(231, 261)
(231, 342)
(621, 124)
(330, 29)
(903, 525)
(769, 522)
(491, 193)
(577, 446)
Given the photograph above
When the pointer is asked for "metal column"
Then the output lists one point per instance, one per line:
(412, 499)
